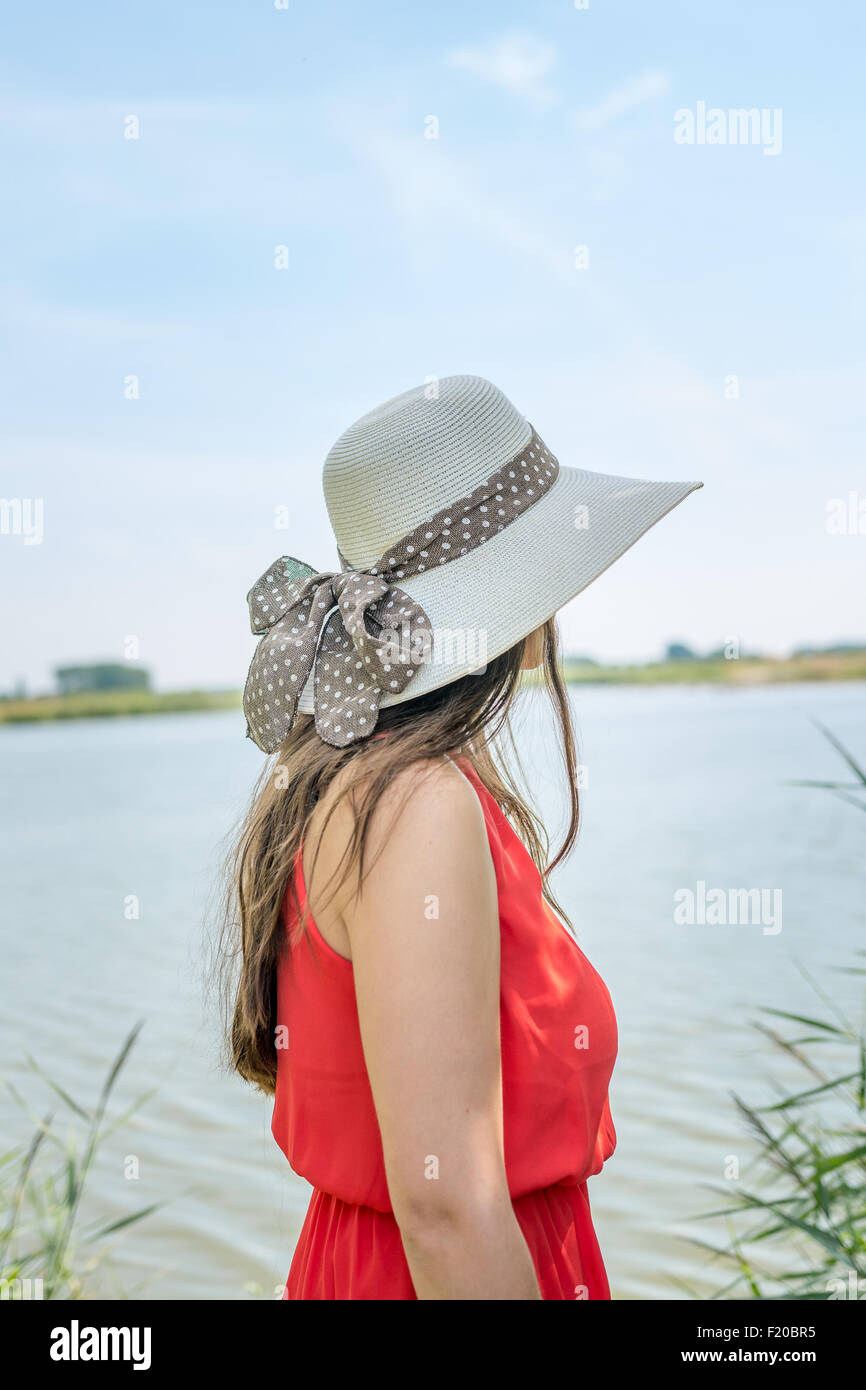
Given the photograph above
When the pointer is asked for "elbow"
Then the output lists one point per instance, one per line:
(431, 1215)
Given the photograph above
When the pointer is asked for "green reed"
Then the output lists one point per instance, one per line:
(47, 1249)
(807, 1207)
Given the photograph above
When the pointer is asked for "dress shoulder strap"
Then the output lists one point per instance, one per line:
(456, 764)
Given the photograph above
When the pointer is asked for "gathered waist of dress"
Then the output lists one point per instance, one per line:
(350, 1251)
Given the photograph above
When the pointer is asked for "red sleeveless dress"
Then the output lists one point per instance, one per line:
(559, 1041)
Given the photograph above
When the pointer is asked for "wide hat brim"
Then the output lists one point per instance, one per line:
(484, 602)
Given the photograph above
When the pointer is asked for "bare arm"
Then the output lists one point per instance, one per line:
(424, 937)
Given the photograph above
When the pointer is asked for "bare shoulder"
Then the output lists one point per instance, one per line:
(427, 816)
(430, 800)
(427, 832)
(428, 789)
(428, 859)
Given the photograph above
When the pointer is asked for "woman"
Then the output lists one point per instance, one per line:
(438, 1046)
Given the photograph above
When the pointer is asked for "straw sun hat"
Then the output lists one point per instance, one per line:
(458, 533)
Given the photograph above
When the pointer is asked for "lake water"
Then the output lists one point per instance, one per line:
(683, 785)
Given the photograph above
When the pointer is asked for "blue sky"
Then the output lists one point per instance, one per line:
(411, 257)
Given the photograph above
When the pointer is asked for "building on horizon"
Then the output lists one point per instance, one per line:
(77, 680)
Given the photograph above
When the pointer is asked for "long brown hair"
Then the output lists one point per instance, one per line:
(470, 717)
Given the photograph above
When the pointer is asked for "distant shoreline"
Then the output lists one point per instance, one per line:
(748, 671)
(112, 704)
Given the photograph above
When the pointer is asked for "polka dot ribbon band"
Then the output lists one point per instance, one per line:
(363, 634)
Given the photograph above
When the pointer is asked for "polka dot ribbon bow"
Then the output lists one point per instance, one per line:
(361, 653)
(360, 633)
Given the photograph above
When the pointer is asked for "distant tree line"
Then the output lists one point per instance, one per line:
(678, 651)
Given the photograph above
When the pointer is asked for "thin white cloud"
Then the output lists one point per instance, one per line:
(622, 100)
(435, 197)
(517, 62)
